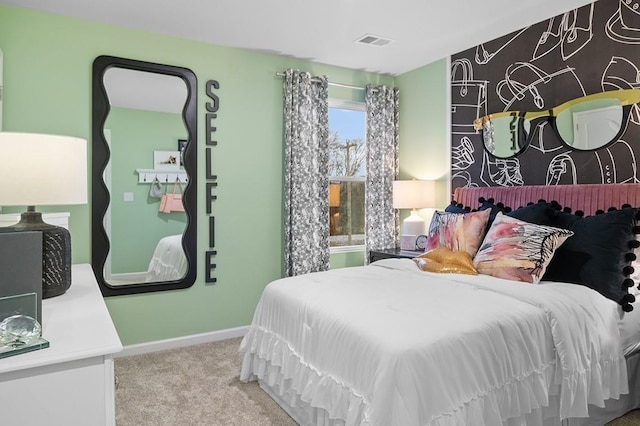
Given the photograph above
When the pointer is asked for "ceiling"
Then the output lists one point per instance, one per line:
(323, 31)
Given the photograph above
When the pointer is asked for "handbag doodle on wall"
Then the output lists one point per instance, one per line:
(468, 97)
(172, 202)
(156, 189)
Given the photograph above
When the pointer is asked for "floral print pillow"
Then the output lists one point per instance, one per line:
(457, 231)
(518, 250)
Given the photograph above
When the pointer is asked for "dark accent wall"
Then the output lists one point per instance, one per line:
(588, 50)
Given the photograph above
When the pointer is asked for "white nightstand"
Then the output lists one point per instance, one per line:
(72, 381)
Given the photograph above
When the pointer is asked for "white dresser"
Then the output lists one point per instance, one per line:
(70, 383)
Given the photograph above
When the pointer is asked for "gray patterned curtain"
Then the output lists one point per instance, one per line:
(381, 219)
(306, 122)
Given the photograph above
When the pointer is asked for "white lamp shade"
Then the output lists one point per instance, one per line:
(39, 169)
(413, 194)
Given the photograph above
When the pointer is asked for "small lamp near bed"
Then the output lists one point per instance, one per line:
(412, 194)
(44, 170)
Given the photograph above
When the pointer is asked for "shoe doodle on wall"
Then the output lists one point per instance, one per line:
(573, 31)
(462, 154)
(462, 157)
(581, 52)
(622, 73)
(486, 51)
(623, 26)
(500, 172)
(561, 170)
(612, 170)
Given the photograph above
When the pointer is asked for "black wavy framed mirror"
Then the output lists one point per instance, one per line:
(144, 150)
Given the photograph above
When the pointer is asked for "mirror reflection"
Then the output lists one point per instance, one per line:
(506, 136)
(143, 129)
(591, 124)
(144, 185)
(583, 124)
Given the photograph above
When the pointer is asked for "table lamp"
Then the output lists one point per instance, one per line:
(44, 170)
(412, 194)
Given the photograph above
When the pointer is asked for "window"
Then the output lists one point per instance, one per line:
(347, 173)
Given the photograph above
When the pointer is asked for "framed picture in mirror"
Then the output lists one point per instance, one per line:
(166, 160)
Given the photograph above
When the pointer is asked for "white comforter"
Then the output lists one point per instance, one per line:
(388, 344)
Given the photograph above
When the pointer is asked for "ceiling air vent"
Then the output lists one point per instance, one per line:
(373, 40)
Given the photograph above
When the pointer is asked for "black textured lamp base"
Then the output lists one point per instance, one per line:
(56, 253)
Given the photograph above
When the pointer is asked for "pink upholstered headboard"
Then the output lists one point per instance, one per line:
(588, 198)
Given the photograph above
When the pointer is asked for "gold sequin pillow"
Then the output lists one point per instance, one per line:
(446, 261)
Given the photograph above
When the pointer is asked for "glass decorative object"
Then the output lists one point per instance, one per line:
(19, 330)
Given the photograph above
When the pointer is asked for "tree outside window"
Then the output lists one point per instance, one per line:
(347, 173)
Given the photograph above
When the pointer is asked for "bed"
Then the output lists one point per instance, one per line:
(391, 344)
(168, 262)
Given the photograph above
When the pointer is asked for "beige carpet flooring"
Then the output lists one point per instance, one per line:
(194, 386)
(199, 386)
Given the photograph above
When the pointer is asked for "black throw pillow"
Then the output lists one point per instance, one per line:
(539, 213)
(456, 207)
(565, 219)
(599, 254)
(495, 208)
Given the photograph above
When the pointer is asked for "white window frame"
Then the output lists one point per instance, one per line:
(355, 106)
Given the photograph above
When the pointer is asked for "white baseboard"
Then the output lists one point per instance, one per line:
(180, 342)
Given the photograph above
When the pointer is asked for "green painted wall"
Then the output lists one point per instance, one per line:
(47, 88)
(348, 259)
(424, 149)
(137, 226)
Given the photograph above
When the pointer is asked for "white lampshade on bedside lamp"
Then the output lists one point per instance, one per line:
(413, 194)
(44, 170)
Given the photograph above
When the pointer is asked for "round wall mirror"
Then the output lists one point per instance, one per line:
(144, 176)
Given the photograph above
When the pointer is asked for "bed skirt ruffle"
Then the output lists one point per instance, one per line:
(266, 357)
(532, 399)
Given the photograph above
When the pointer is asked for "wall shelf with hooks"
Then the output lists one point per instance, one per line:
(164, 176)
